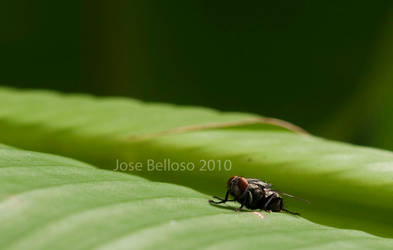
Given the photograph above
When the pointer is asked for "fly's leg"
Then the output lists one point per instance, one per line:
(268, 202)
(220, 199)
(248, 198)
(289, 212)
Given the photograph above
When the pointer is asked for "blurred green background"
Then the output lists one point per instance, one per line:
(324, 65)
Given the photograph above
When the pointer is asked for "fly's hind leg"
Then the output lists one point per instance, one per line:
(268, 202)
(289, 212)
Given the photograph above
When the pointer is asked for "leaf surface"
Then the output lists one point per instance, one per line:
(348, 186)
(51, 202)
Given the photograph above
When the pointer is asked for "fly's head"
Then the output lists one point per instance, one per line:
(237, 185)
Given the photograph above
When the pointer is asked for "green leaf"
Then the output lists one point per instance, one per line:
(50, 202)
(348, 186)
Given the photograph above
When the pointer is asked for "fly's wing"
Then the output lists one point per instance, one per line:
(292, 196)
(259, 183)
(268, 187)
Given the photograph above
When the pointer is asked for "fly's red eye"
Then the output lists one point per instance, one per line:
(243, 184)
(230, 180)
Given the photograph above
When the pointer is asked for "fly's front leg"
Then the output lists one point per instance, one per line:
(220, 199)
